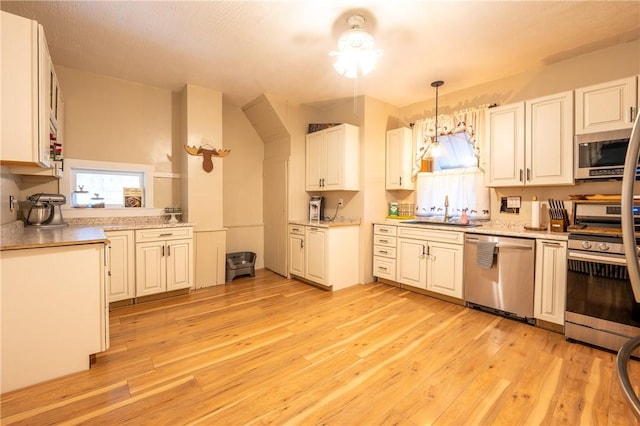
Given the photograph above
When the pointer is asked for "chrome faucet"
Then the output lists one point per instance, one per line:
(447, 216)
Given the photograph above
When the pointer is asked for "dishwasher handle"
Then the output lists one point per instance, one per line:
(502, 245)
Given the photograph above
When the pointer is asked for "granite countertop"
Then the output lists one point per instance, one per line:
(340, 221)
(15, 235)
(490, 228)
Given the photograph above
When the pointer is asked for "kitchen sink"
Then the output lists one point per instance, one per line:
(455, 224)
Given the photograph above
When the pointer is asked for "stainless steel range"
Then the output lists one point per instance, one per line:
(600, 308)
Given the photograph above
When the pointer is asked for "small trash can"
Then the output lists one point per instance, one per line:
(240, 263)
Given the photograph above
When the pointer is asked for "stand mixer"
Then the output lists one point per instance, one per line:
(43, 210)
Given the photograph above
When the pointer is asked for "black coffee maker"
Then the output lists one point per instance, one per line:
(316, 209)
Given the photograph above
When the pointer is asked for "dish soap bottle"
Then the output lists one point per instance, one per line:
(464, 219)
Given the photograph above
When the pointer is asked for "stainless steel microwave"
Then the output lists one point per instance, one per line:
(600, 156)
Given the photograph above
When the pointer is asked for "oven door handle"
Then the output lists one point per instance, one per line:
(599, 258)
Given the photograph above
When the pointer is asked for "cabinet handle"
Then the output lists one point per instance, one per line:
(383, 230)
(383, 252)
(168, 250)
(631, 114)
(520, 175)
(166, 235)
(547, 243)
(313, 229)
(400, 180)
(424, 252)
(162, 251)
(528, 174)
(382, 268)
(384, 241)
(301, 244)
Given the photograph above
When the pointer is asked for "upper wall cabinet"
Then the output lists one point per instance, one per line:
(607, 106)
(333, 159)
(398, 158)
(531, 143)
(31, 99)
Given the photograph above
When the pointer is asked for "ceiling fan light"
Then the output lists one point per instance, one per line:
(356, 54)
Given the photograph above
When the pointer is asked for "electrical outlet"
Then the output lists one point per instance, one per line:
(340, 202)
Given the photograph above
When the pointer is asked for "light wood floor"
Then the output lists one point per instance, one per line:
(268, 350)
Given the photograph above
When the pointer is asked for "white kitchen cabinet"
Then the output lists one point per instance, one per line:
(296, 250)
(550, 281)
(54, 312)
(325, 255)
(505, 145)
(431, 260)
(445, 269)
(122, 265)
(164, 260)
(607, 106)
(399, 152)
(384, 251)
(28, 92)
(332, 159)
(531, 143)
(549, 140)
(315, 264)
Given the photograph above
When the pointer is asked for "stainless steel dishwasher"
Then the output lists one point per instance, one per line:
(499, 275)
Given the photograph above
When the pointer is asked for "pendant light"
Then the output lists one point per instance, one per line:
(435, 145)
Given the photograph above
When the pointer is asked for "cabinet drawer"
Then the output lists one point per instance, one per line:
(383, 240)
(385, 229)
(162, 234)
(384, 268)
(431, 234)
(296, 229)
(384, 251)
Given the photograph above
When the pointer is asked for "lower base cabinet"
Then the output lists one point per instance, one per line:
(122, 277)
(551, 281)
(164, 260)
(431, 260)
(328, 256)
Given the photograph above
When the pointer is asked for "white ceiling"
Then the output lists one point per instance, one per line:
(246, 48)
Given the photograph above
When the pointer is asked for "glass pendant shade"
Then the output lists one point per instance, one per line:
(356, 54)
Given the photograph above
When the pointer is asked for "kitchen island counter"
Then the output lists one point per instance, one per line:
(16, 236)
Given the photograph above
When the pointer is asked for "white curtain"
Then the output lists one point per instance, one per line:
(469, 120)
(464, 189)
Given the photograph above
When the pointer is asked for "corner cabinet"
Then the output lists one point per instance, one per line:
(399, 152)
(325, 255)
(531, 143)
(122, 277)
(607, 106)
(32, 107)
(164, 260)
(550, 281)
(332, 159)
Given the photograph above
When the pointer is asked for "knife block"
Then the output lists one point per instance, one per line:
(558, 225)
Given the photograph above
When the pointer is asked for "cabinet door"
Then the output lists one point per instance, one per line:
(179, 260)
(315, 264)
(150, 268)
(551, 281)
(296, 255)
(122, 267)
(315, 160)
(398, 159)
(412, 263)
(505, 145)
(444, 274)
(607, 106)
(334, 161)
(549, 140)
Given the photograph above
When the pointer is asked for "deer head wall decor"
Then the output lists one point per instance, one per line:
(207, 153)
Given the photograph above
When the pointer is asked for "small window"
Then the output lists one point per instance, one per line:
(108, 184)
(107, 180)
